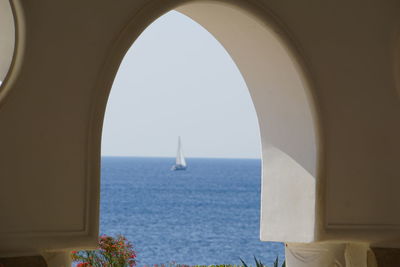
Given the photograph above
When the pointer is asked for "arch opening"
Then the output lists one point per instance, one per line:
(177, 80)
(286, 114)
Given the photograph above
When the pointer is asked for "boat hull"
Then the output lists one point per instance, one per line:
(178, 168)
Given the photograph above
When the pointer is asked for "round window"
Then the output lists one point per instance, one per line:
(7, 37)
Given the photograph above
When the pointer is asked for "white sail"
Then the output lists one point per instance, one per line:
(180, 159)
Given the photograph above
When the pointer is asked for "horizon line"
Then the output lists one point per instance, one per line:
(172, 157)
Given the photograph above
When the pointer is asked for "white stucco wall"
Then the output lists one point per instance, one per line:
(338, 55)
(286, 115)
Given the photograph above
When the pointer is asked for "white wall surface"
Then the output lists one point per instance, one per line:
(333, 61)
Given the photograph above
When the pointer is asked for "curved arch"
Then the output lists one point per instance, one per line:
(280, 89)
(285, 117)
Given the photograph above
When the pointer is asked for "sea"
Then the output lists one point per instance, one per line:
(208, 214)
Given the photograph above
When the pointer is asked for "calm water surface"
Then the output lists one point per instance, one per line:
(208, 214)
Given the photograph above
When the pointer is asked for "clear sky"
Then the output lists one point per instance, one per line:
(177, 80)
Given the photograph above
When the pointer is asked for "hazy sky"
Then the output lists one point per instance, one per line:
(177, 80)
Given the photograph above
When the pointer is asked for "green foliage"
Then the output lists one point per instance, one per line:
(118, 252)
(218, 265)
(112, 252)
(185, 265)
(260, 264)
(257, 262)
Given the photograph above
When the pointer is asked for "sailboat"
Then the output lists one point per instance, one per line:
(180, 163)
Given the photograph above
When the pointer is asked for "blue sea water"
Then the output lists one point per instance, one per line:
(208, 214)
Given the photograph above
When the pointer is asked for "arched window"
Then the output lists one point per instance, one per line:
(178, 80)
